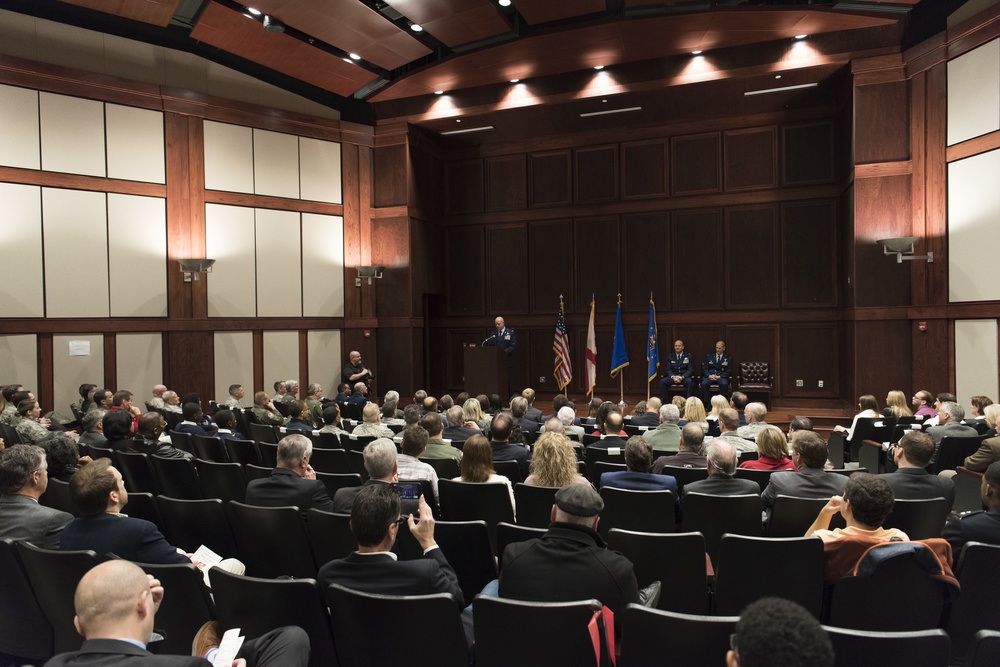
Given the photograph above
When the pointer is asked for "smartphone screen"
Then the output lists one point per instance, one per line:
(408, 490)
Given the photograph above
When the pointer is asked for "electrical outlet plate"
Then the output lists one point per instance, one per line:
(799, 383)
(820, 385)
(541, 380)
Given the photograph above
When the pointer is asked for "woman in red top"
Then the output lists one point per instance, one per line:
(773, 448)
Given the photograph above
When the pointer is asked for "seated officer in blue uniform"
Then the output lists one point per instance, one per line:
(716, 370)
(678, 372)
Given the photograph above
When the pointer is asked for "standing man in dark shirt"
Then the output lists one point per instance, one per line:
(355, 371)
(506, 340)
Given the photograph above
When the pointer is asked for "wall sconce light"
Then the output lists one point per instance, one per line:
(192, 267)
(368, 272)
(902, 247)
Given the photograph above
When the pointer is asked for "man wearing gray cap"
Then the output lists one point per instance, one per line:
(570, 561)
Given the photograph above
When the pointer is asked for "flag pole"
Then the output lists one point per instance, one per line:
(648, 381)
(621, 375)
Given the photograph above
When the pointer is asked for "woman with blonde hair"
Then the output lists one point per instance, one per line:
(694, 412)
(992, 413)
(719, 403)
(896, 405)
(474, 413)
(773, 448)
(477, 465)
(553, 462)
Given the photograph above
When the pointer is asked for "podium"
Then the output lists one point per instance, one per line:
(485, 370)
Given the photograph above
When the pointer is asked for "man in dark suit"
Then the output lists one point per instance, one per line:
(506, 340)
(721, 460)
(23, 479)
(193, 419)
(679, 372)
(911, 480)
(116, 604)
(293, 481)
(651, 417)
(375, 517)
(503, 449)
(530, 428)
(532, 412)
(637, 477)
(612, 432)
(809, 454)
(716, 370)
(458, 429)
(380, 463)
(978, 526)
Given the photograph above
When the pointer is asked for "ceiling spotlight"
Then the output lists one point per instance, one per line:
(503, 3)
(416, 27)
(458, 120)
(514, 80)
(348, 61)
(801, 36)
(255, 12)
(598, 67)
(696, 53)
(272, 24)
(439, 92)
(354, 56)
(777, 76)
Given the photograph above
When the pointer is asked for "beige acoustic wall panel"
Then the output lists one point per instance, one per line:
(22, 289)
(135, 143)
(229, 239)
(279, 264)
(228, 157)
(139, 364)
(326, 361)
(323, 265)
(19, 361)
(72, 131)
(76, 358)
(974, 93)
(275, 164)
(975, 359)
(281, 358)
(75, 242)
(137, 256)
(319, 170)
(19, 138)
(973, 229)
(234, 364)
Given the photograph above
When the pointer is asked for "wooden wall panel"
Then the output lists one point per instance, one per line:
(699, 340)
(391, 249)
(596, 173)
(882, 125)
(809, 254)
(695, 164)
(881, 210)
(597, 261)
(463, 186)
(466, 271)
(751, 257)
(933, 354)
(644, 169)
(808, 153)
(390, 176)
(879, 367)
(751, 342)
(549, 178)
(751, 158)
(645, 255)
(810, 352)
(400, 360)
(551, 265)
(508, 268)
(427, 183)
(694, 236)
(181, 374)
(506, 183)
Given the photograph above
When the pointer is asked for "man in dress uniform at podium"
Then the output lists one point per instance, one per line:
(506, 340)
(678, 372)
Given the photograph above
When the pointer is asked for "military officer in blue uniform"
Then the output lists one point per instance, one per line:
(716, 369)
(678, 372)
(506, 340)
(978, 526)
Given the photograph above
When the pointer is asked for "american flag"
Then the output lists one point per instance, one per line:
(564, 369)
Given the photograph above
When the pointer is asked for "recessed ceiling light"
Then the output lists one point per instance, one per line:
(777, 76)
(416, 27)
(598, 67)
(439, 92)
(503, 3)
(348, 61)
(801, 36)
(514, 80)
(255, 12)
(354, 56)
(604, 101)
(458, 120)
(696, 53)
